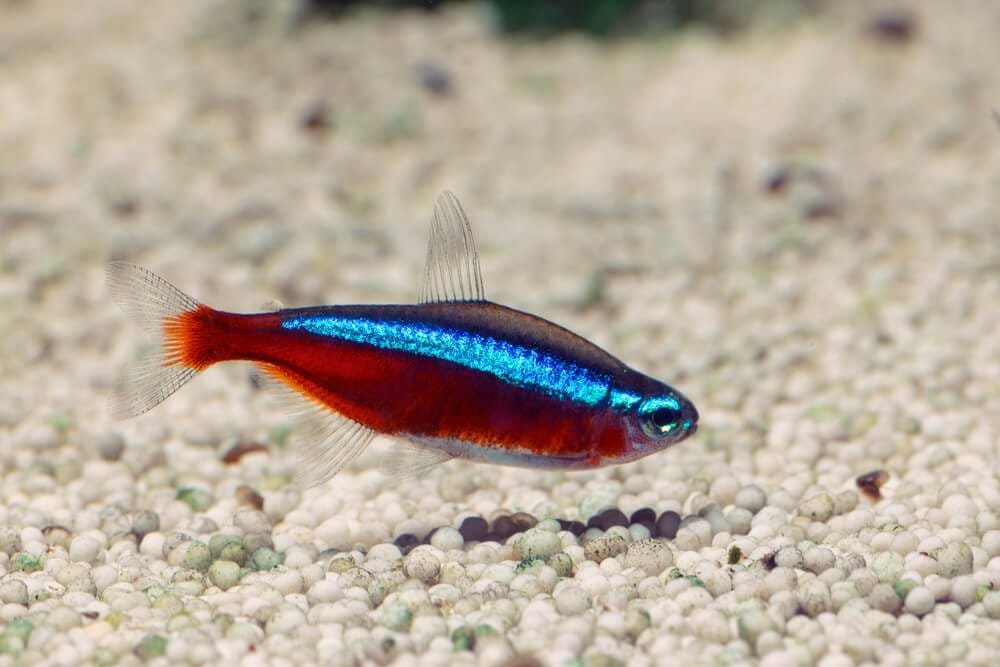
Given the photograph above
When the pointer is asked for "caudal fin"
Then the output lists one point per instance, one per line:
(173, 318)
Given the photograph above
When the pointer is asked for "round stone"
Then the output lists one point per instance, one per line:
(537, 543)
(919, 601)
(667, 525)
(224, 573)
(571, 600)
(751, 498)
(651, 556)
(474, 529)
(447, 538)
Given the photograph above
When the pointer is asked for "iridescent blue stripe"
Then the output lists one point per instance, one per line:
(514, 364)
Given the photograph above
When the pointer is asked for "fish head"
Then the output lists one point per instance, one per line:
(656, 418)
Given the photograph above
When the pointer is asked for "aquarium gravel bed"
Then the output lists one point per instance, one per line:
(795, 227)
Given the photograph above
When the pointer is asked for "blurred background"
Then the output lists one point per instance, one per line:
(766, 204)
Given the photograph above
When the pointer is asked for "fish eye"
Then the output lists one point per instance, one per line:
(660, 417)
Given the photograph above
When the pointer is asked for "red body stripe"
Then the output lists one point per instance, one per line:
(398, 392)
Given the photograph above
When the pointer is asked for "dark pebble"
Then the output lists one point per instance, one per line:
(667, 525)
(238, 451)
(523, 521)
(247, 496)
(406, 542)
(474, 528)
(436, 79)
(871, 483)
(607, 519)
(317, 117)
(893, 26)
(575, 527)
(643, 516)
(503, 526)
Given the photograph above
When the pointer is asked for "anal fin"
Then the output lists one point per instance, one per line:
(325, 440)
(411, 459)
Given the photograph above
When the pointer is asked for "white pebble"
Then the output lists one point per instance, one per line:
(447, 539)
(919, 601)
(751, 498)
(991, 543)
(571, 599)
(963, 591)
(84, 549)
(991, 604)
(819, 559)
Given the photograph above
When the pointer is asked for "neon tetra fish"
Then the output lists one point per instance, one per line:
(455, 375)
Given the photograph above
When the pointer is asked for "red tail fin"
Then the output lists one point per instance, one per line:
(178, 322)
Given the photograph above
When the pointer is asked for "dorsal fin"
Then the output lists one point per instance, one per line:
(452, 269)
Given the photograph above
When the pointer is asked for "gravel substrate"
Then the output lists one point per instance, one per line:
(796, 228)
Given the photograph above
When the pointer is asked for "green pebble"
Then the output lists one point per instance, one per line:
(104, 657)
(151, 646)
(484, 630)
(549, 525)
(224, 573)
(25, 562)
(981, 592)
(197, 499)
(674, 573)
(197, 557)
(115, 619)
(218, 542)
(266, 559)
(602, 660)
(234, 551)
(591, 505)
(180, 622)
(463, 638)
(11, 644)
(169, 604)
(538, 543)
(529, 564)
(59, 422)
(21, 627)
(695, 581)
(279, 434)
(734, 555)
(341, 564)
(562, 564)
(903, 587)
(637, 619)
(397, 617)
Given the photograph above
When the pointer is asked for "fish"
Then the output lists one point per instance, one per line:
(452, 376)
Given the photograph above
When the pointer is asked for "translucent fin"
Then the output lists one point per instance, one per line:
(158, 307)
(410, 459)
(326, 441)
(452, 269)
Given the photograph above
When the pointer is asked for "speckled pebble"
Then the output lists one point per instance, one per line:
(536, 543)
(651, 556)
(954, 559)
(224, 573)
